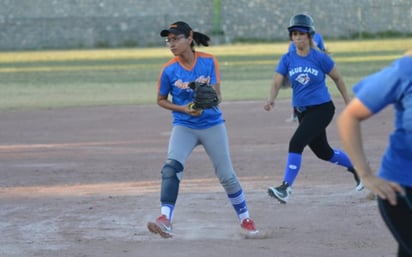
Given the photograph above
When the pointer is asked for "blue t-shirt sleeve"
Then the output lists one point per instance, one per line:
(164, 85)
(382, 88)
(282, 67)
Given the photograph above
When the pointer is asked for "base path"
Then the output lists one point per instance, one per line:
(82, 182)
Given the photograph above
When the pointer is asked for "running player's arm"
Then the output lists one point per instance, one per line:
(276, 84)
(349, 125)
(340, 84)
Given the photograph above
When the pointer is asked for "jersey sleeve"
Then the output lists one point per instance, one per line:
(163, 83)
(215, 73)
(385, 87)
(282, 67)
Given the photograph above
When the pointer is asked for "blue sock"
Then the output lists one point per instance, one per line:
(340, 158)
(292, 167)
(239, 204)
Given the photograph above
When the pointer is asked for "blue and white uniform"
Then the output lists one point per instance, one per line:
(307, 76)
(193, 127)
(188, 131)
(318, 40)
(174, 80)
(314, 108)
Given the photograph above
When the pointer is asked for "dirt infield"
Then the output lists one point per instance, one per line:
(84, 182)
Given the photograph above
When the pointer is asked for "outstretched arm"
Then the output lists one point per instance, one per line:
(349, 125)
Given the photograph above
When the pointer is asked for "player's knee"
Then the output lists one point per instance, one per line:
(295, 146)
(323, 155)
(171, 169)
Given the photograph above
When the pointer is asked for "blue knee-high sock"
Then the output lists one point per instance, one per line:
(292, 167)
(238, 202)
(340, 158)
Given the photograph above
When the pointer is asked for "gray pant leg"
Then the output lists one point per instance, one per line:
(181, 143)
(216, 143)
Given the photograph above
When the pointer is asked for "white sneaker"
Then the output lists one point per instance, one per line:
(281, 193)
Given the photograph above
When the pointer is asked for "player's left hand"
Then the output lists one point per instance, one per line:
(205, 96)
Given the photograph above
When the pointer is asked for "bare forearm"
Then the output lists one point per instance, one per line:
(350, 132)
(166, 104)
(342, 89)
(273, 93)
(274, 90)
(340, 84)
(275, 87)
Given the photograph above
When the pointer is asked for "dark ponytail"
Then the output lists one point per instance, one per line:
(200, 39)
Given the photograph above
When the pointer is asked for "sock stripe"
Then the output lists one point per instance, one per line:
(237, 198)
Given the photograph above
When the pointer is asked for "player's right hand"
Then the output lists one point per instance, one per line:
(194, 112)
(268, 105)
(384, 189)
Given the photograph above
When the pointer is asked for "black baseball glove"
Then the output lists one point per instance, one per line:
(205, 96)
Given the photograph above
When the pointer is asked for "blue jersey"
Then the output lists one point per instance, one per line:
(393, 85)
(317, 38)
(307, 75)
(174, 79)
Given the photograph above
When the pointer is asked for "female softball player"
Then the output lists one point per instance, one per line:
(318, 42)
(393, 185)
(193, 127)
(307, 68)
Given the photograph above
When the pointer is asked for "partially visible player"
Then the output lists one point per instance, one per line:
(393, 185)
(192, 127)
(307, 69)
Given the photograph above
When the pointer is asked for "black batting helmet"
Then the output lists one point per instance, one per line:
(303, 23)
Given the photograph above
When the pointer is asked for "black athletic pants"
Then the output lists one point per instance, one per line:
(398, 218)
(311, 131)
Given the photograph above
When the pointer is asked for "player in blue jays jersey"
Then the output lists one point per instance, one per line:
(193, 127)
(307, 69)
(393, 183)
(317, 42)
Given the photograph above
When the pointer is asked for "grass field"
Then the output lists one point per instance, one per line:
(55, 79)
